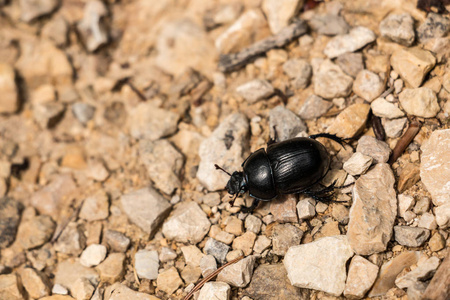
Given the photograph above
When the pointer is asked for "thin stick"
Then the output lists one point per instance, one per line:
(234, 61)
(211, 276)
(405, 140)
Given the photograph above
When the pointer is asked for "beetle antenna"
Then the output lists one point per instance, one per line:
(219, 168)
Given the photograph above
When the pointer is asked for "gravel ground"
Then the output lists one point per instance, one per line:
(113, 114)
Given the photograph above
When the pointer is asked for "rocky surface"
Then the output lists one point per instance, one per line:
(114, 113)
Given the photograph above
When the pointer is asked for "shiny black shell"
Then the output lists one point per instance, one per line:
(286, 167)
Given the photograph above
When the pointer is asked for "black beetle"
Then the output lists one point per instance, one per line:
(287, 167)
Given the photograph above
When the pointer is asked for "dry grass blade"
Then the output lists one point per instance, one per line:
(211, 276)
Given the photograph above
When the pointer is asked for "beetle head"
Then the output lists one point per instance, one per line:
(236, 184)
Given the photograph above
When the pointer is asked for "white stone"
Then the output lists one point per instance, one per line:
(399, 28)
(238, 274)
(331, 82)
(188, 223)
(255, 90)
(192, 255)
(405, 203)
(385, 109)
(443, 215)
(146, 263)
(374, 148)
(361, 276)
(368, 85)
(357, 164)
(215, 290)
(428, 221)
(420, 102)
(319, 265)
(93, 255)
(357, 38)
(306, 209)
(59, 289)
(280, 12)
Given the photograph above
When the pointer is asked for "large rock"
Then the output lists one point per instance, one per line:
(435, 166)
(9, 220)
(413, 64)
(146, 263)
(373, 211)
(280, 13)
(319, 265)
(151, 122)
(35, 232)
(421, 102)
(361, 276)
(238, 274)
(9, 102)
(35, 283)
(249, 28)
(146, 208)
(11, 287)
(183, 44)
(224, 147)
(357, 38)
(350, 121)
(188, 223)
(269, 280)
(163, 163)
(411, 236)
(331, 82)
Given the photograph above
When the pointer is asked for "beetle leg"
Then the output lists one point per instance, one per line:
(250, 209)
(275, 137)
(332, 137)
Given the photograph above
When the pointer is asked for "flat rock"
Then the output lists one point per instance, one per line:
(238, 274)
(173, 55)
(92, 28)
(163, 163)
(283, 209)
(262, 243)
(245, 242)
(435, 166)
(93, 255)
(217, 249)
(228, 141)
(146, 263)
(192, 255)
(9, 220)
(331, 82)
(385, 109)
(11, 287)
(286, 123)
(374, 148)
(69, 271)
(421, 102)
(35, 232)
(357, 38)
(9, 102)
(30, 10)
(280, 13)
(314, 107)
(95, 207)
(399, 28)
(428, 221)
(215, 290)
(146, 208)
(299, 71)
(361, 276)
(253, 224)
(350, 63)
(350, 121)
(271, 279)
(250, 27)
(284, 236)
(151, 122)
(411, 236)
(373, 211)
(169, 281)
(319, 265)
(119, 291)
(82, 289)
(35, 283)
(112, 268)
(329, 24)
(357, 164)
(53, 197)
(424, 271)
(208, 265)
(368, 85)
(255, 90)
(413, 64)
(188, 223)
(389, 271)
